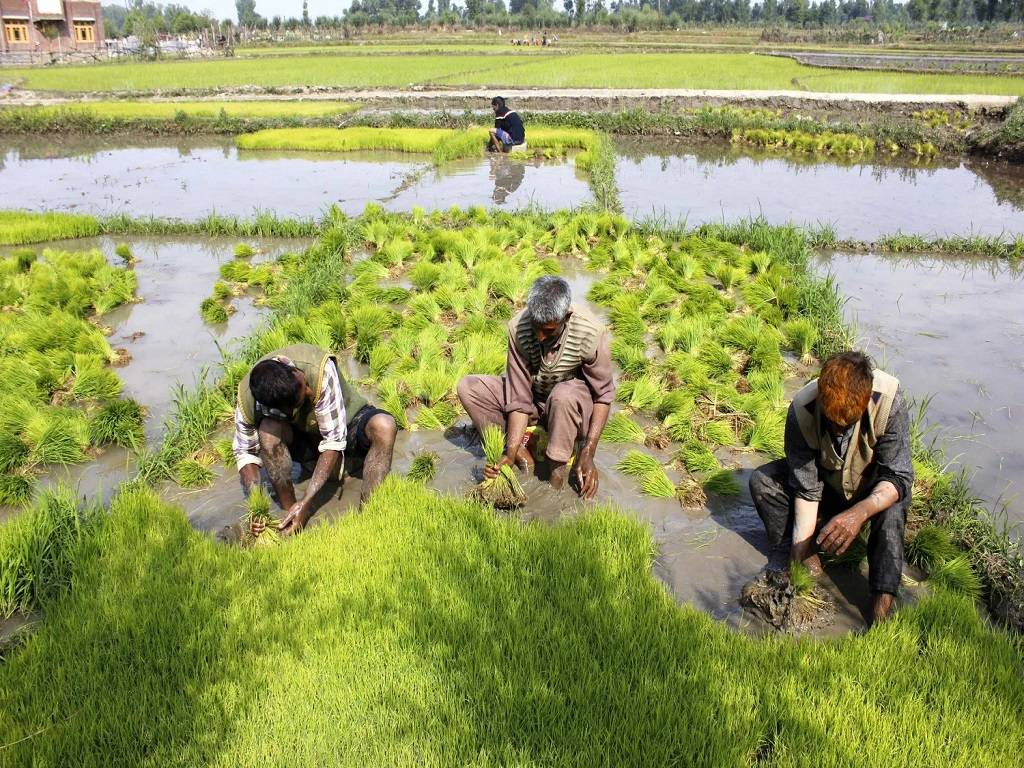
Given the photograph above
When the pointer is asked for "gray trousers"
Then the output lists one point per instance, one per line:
(774, 501)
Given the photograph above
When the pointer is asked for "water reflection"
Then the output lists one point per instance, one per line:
(862, 200)
(508, 176)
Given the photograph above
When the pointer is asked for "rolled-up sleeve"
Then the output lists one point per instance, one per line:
(598, 373)
(518, 384)
(246, 445)
(803, 461)
(330, 411)
(892, 451)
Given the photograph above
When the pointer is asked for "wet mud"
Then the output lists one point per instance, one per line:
(862, 200)
(952, 330)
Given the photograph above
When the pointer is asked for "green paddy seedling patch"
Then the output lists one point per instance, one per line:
(23, 227)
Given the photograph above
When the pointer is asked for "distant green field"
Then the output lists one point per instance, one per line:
(627, 70)
(167, 109)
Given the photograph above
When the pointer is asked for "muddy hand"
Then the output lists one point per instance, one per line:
(587, 476)
(295, 520)
(837, 536)
(492, 471)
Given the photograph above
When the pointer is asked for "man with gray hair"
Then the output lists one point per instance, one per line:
(559, 374)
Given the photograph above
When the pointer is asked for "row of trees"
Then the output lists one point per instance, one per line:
(532, 14)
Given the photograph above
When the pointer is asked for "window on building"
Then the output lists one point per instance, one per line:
(16, 32)
(85, 32)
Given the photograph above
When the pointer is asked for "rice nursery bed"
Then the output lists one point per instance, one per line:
(409, 633)
(60, 398)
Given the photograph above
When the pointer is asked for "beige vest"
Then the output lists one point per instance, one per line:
(311, 361)
(846, 475)
(579, 346)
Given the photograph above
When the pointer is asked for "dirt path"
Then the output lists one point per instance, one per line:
(556, 98)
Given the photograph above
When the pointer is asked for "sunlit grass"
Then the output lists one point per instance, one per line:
(588, 70)
(22, 227)
(146, 110)
(412, 633)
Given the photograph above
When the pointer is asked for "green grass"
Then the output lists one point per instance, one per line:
(409, 634)
(415, 140)
(590, 70)
(150, 110)
(22, 227)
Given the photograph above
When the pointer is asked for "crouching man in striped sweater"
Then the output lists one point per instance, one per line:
(295, 405)
(559, 374)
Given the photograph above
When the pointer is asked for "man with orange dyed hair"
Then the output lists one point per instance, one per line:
(847, 465)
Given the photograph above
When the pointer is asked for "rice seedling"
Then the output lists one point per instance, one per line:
(16, 487)
(931, 547)
(437, 417)
(244, 251)
(223, 291)
(641, 394)
(22, 227)
(697, 457)
(801, 336)
(657, 484)
(118, 422)
(91, 380)
(213, 311)
(631, 358)
(622, 429)
(23, 258)
(716, 358)
(124, 252)
(236, 271)
(767, 434)
(722, 483)
(637, 464)
(257, 510)
(195, 472)
(423, 467)
(225, 451)
(504, 491)
(957, 575)
(718, 432)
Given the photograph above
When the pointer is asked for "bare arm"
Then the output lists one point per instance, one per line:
(839, 534)
(300, 512)
(804, 520)
(586, 473)
(517, 423)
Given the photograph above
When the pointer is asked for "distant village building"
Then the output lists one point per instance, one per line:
(50, 26)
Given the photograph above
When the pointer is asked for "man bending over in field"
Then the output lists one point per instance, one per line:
(848, 465)
(295, 404)
(508, 132)
(559, 373)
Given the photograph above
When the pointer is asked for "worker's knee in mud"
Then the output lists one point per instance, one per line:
(382, 429)
(759, 484)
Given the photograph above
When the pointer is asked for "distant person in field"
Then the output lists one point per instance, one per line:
(508, 131)
(294, 405)
(847, 466)
(558, 375)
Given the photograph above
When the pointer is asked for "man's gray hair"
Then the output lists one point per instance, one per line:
(549, 300)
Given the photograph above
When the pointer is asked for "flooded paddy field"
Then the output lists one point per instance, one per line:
(189, 178)
(862, 199)
(952, 330)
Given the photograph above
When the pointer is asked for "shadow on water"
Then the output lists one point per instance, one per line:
(862, 199)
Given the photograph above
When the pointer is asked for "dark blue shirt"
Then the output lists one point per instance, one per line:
(512, 125)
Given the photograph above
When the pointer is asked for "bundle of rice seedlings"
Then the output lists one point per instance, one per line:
(382, 357)
(257, 510)
(93, 381)
(437, 417)
(13, 452)
(718, 432)
(641, 394)
(931, 547)
(768, 432)
(124, 253)
(677, 402)
(23, 258)
(236, 271)
(716, 357)
(957, 575)
(503, 491)
(224, 448)
(722, 483)
(424, 275)
(423, 467)
(56, 437)
(637, 464)
(622, 429)
(16, 487)
(631, 358)
(801, 335)
(244, 251)
(212, 311)
(223, 290)
(691, 493)
(195, 472)
(697, 457)
(656, 483)
(118, 422)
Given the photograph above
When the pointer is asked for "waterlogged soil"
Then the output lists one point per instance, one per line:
(168, 342)
(952, 330)
(188, 178)
(862, 199)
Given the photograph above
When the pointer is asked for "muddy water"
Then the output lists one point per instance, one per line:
(189, 178)
(168, 341)
(952, 329)
(861, 200)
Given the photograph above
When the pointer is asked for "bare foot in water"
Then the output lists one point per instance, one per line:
(559, 474)
(524, 460)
